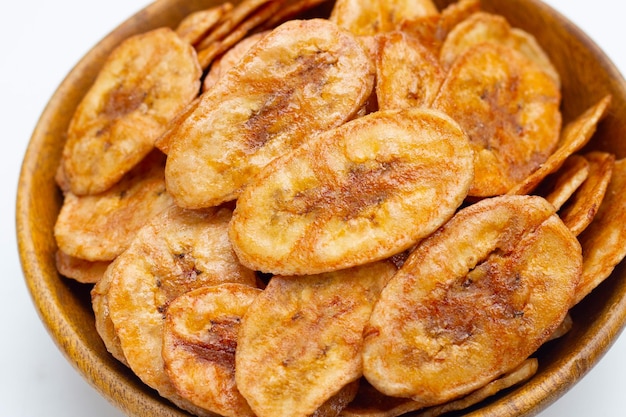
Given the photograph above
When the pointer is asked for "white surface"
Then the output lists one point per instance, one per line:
(40, 41)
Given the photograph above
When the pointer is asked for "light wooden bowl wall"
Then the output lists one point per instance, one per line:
(64, 306)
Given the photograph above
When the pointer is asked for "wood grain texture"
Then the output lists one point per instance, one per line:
(65, 308)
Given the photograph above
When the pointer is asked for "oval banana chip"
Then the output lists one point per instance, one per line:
(178, 251)
(472, 301)
(300, 339)
(199, 342)
(359, 193)
(302, 78)
(99, 227)
(566, 180)
(196, 25)
(510, 110)
(407, 74)
(81, 270)
(143, 84)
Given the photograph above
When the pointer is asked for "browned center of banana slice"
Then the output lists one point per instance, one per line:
(355, 194)
(302, 78)
(473, 301)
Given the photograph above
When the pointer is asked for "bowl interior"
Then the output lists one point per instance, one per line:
(64, 306)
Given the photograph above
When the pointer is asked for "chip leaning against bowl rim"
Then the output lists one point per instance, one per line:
(81, 347)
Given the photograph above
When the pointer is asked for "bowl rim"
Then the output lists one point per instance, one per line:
(542, 390)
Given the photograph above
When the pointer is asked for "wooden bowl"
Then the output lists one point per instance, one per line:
(64, 306)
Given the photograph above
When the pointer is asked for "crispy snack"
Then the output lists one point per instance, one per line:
(291, 10)
(81, 270)
(302, 78)
(359, 193)
(100, 227)
(484, 27)
(103, 322)
(510, 110)
(338, 402)
(300, 339)
(162, 143)
(567, 179)
(603, 241)
(433, 30)
(230, 58)
(574, 136)
(446, 325)
(178, 251)
(580, 210)
(144, 83)
(407, 74)
(199, 342)
(196, 25)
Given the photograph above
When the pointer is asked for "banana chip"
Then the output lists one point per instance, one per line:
(81, 270)
(580, 210)
(144, 83)
(302, 78)
(569, 177)
(100, 227)
(603, 241)
(103, 322)
(178, 251)
(359, 193)
(196, 25)
(510, 111)
(446, 325)
(300, 339)
(407, 74)
(199, 342)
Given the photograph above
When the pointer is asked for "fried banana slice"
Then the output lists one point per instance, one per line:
(484, 27)
(602, 241)
(99, 227)
(199, 342)
(510, 110)
(143, 84)
(356, 194)
(580, 210)
(196, 25)
(81, 270)
(407, 74)
(472, 301)
(567, 179)
(178, 251)
(574, 136)
(300, 339)
(302, 78)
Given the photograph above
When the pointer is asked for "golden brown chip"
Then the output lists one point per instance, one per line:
(407, 74)
(302, 78)
(580, 210)
(510, 110)
(603, 241)
(99, 227)
(567, 179)
(178, 251)
(359, 193)
(484, 27)
(103, 322)
(574, 136)
(446, 325)
(338, 402)
(197, 24)
(199, 342)
(292, 10)
(81, 270)
(565, 326)
(144, 83)
(162, 143)
(229, 59)
(300, 339)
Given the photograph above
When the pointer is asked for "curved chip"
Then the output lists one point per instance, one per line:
(484, 27)
(300, 339)
(302, 78)
(359, 193)
(472, 301)
(199, 342)
(100, 227)
(176, 252)
(144, 83)
(196, 25)
(81, 270)
(580, 210)
(407, 74)
(568, 178)
(603, 240)
(510, 111)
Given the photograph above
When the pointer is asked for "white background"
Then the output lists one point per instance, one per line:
(40, 41)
